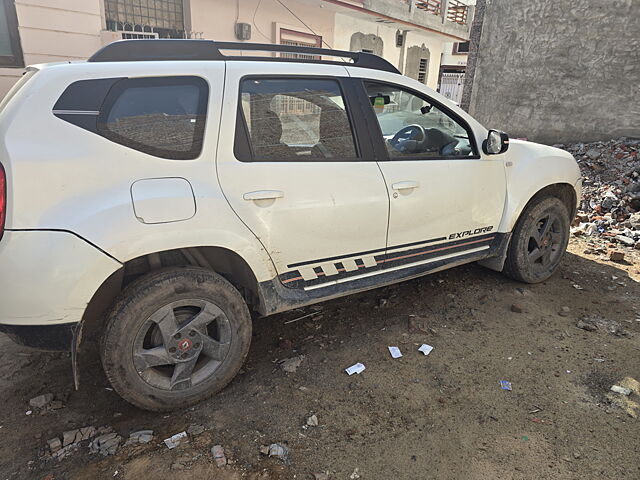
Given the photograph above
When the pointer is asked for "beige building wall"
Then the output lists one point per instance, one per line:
(451, 59)
(215, 19)
(347, 25)
(54, 31)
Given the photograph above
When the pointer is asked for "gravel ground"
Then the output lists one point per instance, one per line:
(441, 416)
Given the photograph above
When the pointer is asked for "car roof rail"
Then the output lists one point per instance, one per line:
(187, 49)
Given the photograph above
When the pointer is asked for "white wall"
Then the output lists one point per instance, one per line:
(448, 58)
(54, 31)
(215, 19)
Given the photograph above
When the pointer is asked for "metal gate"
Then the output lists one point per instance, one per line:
(451, 85)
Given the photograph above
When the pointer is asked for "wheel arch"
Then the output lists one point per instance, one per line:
(565, 192)
(227, 263)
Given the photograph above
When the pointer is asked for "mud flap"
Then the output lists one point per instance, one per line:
(75, 344)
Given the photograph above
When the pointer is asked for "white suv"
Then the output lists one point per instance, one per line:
(161, 190)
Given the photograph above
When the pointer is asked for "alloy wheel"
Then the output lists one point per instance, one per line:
(182, 344)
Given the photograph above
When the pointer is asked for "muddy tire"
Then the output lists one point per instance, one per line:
(538, 242)
(175, 337)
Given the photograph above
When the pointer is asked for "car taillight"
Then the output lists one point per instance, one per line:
(3, 199)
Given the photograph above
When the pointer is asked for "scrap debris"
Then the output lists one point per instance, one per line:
(618, 396)
(505, 385)
(395, 352)
(357, 368)
(609, 214)
(176, 440)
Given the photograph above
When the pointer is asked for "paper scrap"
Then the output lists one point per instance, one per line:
(504, 385)
(357, 368)
(395, 352)
(622, 390)
(426, 349)
(174, 440)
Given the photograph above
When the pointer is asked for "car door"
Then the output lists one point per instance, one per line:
(446, 197)
(298, 169)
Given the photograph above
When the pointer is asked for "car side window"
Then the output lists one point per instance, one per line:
(413, 127)
(294, 119)
(161, 116)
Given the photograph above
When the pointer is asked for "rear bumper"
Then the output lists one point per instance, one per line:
(47, 279)
(42, 337)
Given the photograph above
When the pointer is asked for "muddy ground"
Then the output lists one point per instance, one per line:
(443, 416)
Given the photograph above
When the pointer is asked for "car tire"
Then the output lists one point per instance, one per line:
(538, 242)
(175, 337)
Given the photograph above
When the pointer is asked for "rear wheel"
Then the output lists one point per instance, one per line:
(538, 242)
(175, 337)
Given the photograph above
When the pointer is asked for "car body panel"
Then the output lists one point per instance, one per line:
(48, 277)
(530, 168)
(87, 185)
(327, 209)
(72, 221)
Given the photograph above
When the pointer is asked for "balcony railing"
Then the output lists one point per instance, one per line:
(430, 6)
(456, 11)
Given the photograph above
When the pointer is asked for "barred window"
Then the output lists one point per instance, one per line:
(164, 17)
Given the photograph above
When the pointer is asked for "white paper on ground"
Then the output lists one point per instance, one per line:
(395, 352)
(426, 349)
(357, 368)
(174, 441)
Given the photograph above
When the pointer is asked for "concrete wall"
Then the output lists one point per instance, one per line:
(559, 71)
(54, 31)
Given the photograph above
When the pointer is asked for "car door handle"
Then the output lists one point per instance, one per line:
(263, 195)
(407, 185)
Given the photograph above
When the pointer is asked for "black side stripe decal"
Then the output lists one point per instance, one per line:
(317, 275)
(367, 252)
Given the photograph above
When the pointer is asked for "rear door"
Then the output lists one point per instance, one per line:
(296, 165)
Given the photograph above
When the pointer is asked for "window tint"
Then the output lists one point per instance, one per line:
(162, 116)
(296, 120)
(413, 127)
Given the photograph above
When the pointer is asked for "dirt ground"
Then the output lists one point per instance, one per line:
(442, 416)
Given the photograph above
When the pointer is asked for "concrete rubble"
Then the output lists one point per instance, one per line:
(194, 430)
(595, 323)
(106, 444)
(609, 213)
(290, 365)
(139, 437)
(41, 401)
(217, 451)
(60, 448)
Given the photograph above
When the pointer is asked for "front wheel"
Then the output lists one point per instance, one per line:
(175, 337)
(538, 241)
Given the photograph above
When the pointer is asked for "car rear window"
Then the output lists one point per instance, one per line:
(160, 116)
(163, 117)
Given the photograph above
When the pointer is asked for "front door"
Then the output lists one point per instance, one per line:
(446, 199)
(296, 175)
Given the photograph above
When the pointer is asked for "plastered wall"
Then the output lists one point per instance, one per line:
(557, 71)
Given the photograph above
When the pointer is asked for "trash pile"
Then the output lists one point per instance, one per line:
(610, 207)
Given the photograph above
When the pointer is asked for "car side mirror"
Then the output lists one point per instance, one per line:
(496, 142)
